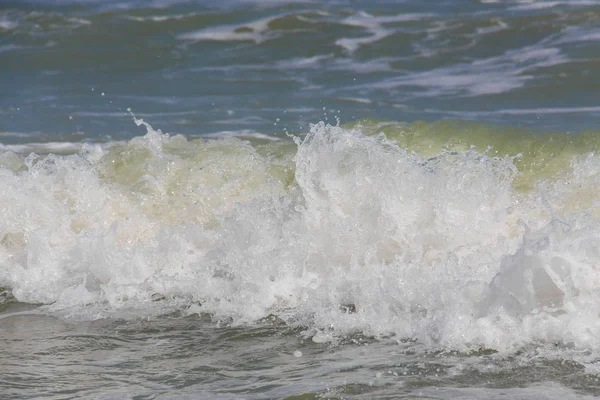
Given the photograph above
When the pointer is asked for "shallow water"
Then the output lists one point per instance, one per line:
(353, 200)
(190, 357)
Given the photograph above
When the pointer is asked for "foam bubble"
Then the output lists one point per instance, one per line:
(339, 233)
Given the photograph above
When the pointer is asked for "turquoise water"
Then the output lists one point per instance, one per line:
(300, 200)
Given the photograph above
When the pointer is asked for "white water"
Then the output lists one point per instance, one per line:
(348, 234)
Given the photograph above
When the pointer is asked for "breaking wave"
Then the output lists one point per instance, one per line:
(456, 235)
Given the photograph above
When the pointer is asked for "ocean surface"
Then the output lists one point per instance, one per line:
(281, 199)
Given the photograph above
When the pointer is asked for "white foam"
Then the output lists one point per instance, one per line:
(539, 5)
(8, 25)
(492, 75)
(573, 35)
(46, 147)
(352, 44)
(455, 80)
(79, 21)
(19, 134)
(498, 26)
(162, 18)
(9, 47)
(273, 3)
(551, 110)
(374, 25)
(350, 234)
(365, 20)
(357, 100)
(256, 31)
(521, 111)
(303, 62)
(244, 133)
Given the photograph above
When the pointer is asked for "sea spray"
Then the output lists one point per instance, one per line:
(348, 233)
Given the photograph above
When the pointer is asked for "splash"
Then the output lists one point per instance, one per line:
(341, 233)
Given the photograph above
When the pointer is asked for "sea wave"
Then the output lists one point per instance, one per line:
(456, 235)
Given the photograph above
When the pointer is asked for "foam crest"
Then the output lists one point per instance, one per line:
(257, 31)
(342, 233)
(493, 75)
(374, 25)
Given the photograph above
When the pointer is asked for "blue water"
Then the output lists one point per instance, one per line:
(71, 69)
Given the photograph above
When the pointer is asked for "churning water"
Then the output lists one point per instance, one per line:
(255, 252)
